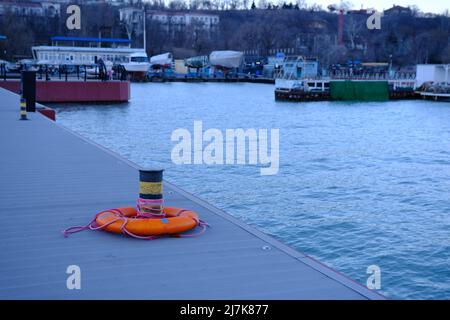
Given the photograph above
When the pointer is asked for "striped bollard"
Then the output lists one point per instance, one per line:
(150, 202)
(23, 109)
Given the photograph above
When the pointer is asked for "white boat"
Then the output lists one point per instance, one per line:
(138, 63)
(226, 59)
(164, 60)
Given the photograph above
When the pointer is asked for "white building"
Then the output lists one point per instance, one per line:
(432, 72)
(180, 20)
(133, 18)
(122, 2)
(29, 8)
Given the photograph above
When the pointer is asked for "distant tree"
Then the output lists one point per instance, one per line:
(195, 4)
(301, 4)
(156, 37)
(445, 55)
(315, 7)
(353, 29)
(415, 11)
(268, 34)
(19, 36)
(177, 5)
(262, 4)
(234, 4)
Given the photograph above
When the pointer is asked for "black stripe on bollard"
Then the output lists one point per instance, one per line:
(150, 184)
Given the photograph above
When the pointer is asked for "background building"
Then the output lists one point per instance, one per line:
(179, 21)
(31, 8)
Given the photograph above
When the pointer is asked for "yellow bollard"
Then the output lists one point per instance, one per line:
(23, 109)
(150, 202)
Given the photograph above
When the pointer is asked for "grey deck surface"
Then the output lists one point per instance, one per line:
(51, 179)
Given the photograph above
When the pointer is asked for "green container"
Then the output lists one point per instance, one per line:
(351, 90)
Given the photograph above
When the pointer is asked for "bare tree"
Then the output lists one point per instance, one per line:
(11, 27)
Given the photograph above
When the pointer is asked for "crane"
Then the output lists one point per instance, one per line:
(342, 8)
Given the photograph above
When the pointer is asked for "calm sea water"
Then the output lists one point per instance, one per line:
(359, 183)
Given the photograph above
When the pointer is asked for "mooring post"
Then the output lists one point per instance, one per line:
(150, 191)
(28, 89)
(23, 109)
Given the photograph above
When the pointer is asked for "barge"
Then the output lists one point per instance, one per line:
(344, 90)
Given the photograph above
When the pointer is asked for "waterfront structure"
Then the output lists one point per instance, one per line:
(85, 51)
(273, 65)
(354, 81)
(76, 91)
(297, 67)
(432, 73)
(180, 66)
(292, 67)
(433, 81)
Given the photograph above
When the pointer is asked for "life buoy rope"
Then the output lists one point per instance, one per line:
(153, 208)
(120, 216)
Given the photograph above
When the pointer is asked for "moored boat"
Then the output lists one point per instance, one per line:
(138, 63)
(226, 59)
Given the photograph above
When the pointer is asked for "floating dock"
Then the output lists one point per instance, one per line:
(344, 90)
(59, 91)
(51, 179)
(435, 96)
(298, 95)
(212, 79)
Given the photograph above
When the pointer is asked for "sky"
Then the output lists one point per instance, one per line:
(434, 6)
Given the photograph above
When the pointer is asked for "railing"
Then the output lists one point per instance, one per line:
(3, 71)
(97, 72)
(372, 76)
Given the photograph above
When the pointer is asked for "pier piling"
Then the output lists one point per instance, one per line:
(23, 109)
(151, 191)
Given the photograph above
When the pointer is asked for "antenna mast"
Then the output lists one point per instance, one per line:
(145, 37)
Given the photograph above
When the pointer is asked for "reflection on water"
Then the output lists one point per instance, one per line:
(359, 183)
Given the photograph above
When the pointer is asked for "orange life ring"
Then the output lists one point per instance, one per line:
(176, 221)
